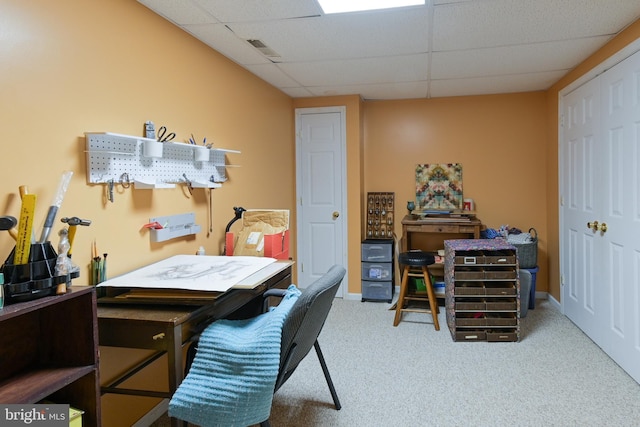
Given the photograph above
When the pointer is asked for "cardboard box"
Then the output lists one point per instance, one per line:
(273, 245)
(263, 233)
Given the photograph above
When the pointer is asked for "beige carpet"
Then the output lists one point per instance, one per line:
(412, 375)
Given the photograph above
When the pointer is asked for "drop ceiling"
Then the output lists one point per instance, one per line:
(445, 48)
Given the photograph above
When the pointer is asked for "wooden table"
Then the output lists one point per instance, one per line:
(436, 230)
(167, 328)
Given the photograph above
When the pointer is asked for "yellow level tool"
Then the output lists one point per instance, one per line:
(25, 225)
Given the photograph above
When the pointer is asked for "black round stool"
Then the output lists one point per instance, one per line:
(415, 265)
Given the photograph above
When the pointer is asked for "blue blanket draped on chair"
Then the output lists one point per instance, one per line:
(231, 381)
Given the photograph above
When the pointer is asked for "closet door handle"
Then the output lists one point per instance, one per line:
(596, 226)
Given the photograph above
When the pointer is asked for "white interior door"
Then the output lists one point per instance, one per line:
(580, 206)
(600, 161)
(621, 213)
(321, 192)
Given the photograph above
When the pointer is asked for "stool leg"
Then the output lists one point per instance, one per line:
(433, 303)
(403, 292)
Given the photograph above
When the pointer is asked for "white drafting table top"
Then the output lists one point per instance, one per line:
(200, 273)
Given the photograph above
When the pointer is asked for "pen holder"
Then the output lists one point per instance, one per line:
(152, 149)
(35, 279)
(201, 154)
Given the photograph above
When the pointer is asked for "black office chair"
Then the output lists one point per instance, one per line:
(303, 325)
(301, 328)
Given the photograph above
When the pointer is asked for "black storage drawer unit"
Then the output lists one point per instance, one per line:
(377, 270)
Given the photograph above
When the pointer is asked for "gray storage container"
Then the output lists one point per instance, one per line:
(377, 291)
(377, 250)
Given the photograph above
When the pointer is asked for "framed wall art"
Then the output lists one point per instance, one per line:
(439, 186)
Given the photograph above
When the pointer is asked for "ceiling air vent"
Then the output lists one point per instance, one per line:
(263, 48)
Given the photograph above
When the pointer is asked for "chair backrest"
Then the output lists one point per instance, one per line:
(306, 319)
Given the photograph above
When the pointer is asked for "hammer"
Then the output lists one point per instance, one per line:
(9, 223)
(73, 222)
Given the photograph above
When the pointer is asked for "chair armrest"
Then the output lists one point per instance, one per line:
(275, 292)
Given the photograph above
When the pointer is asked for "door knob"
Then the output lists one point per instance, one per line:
(596, 226)
(336, 214)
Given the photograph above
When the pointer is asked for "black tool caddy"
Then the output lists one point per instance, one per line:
(37, 278)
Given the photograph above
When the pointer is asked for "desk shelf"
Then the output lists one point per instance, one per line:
(430, 234)
(50, 351)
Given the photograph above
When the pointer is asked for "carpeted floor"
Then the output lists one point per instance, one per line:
(412, 375)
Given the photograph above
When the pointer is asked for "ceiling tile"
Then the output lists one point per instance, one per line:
(180, 11)
(531, 58)
(358, 71)
(342, 36)
(297, 92)
(259, 10)
(224, 41)
(272, 74)
(492, 85)
(408, 90)
(476, 24)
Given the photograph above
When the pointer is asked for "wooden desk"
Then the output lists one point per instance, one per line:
(167, 328)
(437, 230)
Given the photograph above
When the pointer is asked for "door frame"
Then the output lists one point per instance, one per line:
(609, 62)
(342, 110)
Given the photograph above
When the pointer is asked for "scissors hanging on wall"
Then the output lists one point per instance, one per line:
(163, 136)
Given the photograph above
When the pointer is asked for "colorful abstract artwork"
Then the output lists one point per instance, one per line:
(439, 186)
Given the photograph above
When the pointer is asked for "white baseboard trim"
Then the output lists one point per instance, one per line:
(351, 296)
(555, 303)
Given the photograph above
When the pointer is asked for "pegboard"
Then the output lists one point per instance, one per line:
(119, 158)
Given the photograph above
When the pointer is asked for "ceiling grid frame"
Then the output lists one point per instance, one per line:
(444, 48)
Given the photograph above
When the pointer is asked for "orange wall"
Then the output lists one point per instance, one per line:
(499, 140)
(71, 66)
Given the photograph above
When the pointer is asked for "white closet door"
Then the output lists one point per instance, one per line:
(581, 204)
(321, 192)
(600, 161)
(621, 240)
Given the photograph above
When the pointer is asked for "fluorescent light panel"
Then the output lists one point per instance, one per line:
(343, 6)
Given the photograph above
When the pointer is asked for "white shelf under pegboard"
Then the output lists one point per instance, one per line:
(174, 226)
(117, 158)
